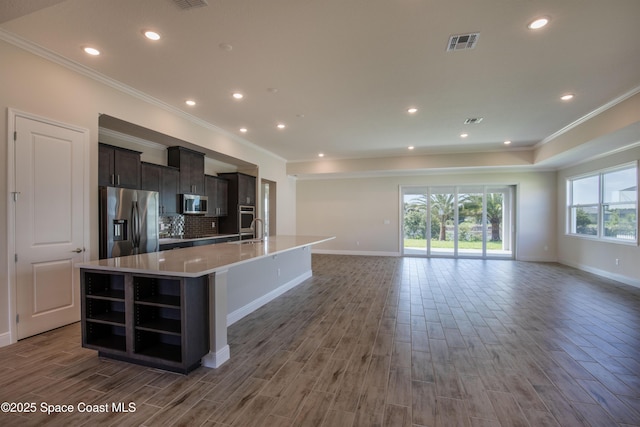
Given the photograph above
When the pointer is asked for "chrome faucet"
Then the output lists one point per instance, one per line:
(252, 226)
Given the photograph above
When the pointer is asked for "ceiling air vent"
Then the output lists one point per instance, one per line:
(463, 41)
(473, 121)
(189, 4)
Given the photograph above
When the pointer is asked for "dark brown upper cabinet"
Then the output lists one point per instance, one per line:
(242, 189)
(217, 190)
(118, 167)
(164, 180)
(191, 165)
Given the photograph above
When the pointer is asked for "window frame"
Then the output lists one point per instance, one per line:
(601, 206)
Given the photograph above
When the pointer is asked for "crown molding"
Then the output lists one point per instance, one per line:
(589, 116)
(51, 56)
(130, 138)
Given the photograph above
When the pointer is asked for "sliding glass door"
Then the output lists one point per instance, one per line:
(414, 201)
(499, 222)
(470, 238)
(458, 221)
(443, 217)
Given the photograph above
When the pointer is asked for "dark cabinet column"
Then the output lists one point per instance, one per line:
(246, 190)
(241, 192)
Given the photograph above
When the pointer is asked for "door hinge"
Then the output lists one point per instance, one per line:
(16, 257)
(15, 135)
(17, 318)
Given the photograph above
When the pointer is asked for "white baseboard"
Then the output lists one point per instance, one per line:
(214, 360)
(257, 303)
(535, 259)
(364, 253)
(603, 273)
(5, 339)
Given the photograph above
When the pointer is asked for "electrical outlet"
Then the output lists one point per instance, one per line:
(213, 225)
(617, 261)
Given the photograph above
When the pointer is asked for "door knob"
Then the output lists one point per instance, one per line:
(78, 250)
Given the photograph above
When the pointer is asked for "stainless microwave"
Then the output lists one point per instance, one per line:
(193, 204)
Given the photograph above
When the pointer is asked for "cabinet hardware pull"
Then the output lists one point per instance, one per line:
(78, 250)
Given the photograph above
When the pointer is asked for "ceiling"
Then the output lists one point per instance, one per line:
(341, 74)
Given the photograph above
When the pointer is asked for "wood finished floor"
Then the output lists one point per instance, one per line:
(376, 341)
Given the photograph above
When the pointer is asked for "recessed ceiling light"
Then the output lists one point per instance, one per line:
(226, 47)
(91, 51)
(243, 130)
(190, 102)
(411, 147)
(281, 126)
(237, 95)
(320, 154)
(464, 135)
(152, 35)
(412, 110)
(507, 142)
(567, 97)
(538, 23)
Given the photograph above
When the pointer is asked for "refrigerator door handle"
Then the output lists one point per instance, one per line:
(135, 220)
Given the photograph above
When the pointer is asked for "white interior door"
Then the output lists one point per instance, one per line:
(49, 226)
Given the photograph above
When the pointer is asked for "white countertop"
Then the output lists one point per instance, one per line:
(201, 260)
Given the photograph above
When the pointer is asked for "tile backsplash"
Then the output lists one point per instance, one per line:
(187, 225)
(171, 226)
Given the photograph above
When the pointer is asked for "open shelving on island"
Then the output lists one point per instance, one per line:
(152, 320)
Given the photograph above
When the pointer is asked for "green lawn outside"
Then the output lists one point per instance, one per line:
(448, 244)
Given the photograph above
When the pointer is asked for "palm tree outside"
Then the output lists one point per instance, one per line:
(442, 212)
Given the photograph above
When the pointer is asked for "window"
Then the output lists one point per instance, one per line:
(604, 205)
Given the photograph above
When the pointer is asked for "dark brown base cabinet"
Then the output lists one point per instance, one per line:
(156, 321)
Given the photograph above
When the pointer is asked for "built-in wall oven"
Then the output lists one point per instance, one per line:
(246, 215)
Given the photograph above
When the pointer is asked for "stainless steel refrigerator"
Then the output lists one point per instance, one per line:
(128, 222)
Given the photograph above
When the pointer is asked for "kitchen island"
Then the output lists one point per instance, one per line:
(171, 309)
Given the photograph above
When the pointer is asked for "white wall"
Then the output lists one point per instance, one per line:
(32, 84)
(588, 254)
(355, 209)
